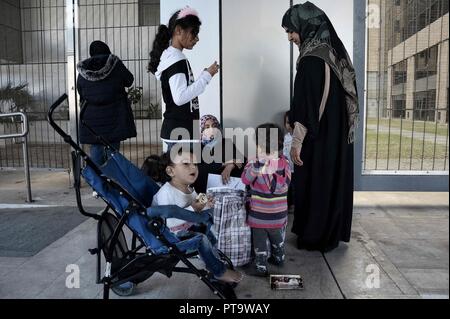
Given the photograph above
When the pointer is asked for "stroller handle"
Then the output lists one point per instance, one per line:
(55, 126)
(75, 160)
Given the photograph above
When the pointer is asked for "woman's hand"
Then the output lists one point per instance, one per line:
(226, 173)
(213, 69)
(295, 155)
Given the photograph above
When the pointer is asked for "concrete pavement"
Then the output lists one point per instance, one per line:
(399, 249)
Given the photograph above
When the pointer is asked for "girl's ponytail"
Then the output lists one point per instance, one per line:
(188, 20)
(160, 43)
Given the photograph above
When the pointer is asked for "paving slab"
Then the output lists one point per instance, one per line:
(359, 263)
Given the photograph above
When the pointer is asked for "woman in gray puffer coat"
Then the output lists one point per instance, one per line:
(101, 84)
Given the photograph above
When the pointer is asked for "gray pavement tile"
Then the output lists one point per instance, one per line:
(423, 227)
(12, 261)
(416, 253)
(26, 282)
(426, 280)
(382, 227)
(318, 282)
(353, 267)
(88, 289)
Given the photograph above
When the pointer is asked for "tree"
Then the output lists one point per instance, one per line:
(15, 98)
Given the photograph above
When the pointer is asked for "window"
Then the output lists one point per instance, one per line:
(444, 7)
(426, 63)
(399, 106)
(435, 10)
(149, 13)
(397, 26)
(10, 33)
(400, 73)
(425, 105)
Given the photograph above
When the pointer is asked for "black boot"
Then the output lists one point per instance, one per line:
(259, 266)
(277, 257)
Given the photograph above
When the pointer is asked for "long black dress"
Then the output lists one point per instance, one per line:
(324, 184)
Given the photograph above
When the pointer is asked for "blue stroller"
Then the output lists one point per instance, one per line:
(128, 193)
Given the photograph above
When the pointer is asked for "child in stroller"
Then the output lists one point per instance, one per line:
(179, 171)
(128, 194)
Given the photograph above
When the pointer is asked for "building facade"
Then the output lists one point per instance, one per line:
(407, 59)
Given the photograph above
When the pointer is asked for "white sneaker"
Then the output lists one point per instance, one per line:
(94, 194)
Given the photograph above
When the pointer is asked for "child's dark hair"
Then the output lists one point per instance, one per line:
(270, 143)
(287, 116)
(151, 167)
(165, 32)
(158, 164)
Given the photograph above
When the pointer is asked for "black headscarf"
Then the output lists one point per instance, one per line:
(319, 38)
(98, 48)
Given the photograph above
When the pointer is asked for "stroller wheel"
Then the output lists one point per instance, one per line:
(125, 289)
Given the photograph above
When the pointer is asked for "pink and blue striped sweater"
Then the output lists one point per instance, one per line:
(268, 190)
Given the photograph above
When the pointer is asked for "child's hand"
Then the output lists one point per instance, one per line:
(198, 206)
(211, 202)
(213, 69)
(270, 166)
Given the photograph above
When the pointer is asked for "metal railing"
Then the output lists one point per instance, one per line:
(23, 135)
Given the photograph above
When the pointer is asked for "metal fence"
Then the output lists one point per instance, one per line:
(35, 53)
(406, 124)
(32, 74)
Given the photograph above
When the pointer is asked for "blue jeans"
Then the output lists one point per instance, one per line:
(207, 253)
(204, 229)
(204, 246)
(99, 154)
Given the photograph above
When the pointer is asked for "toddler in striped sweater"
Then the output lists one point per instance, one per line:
(268, 177)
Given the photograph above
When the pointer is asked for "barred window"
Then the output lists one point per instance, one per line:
(425, 105)
(149, 12)
(400, 72)
(426, 62)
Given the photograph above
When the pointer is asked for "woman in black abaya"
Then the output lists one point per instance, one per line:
(324, 113)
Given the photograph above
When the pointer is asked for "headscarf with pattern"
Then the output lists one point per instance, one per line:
(208, 135)
(318, 38)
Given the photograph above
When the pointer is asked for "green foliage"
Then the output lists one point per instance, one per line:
(154, 111)
(19, 96)
(135, 94)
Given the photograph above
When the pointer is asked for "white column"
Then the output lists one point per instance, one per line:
(442, 80)
(410, 85)
(71, 26)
